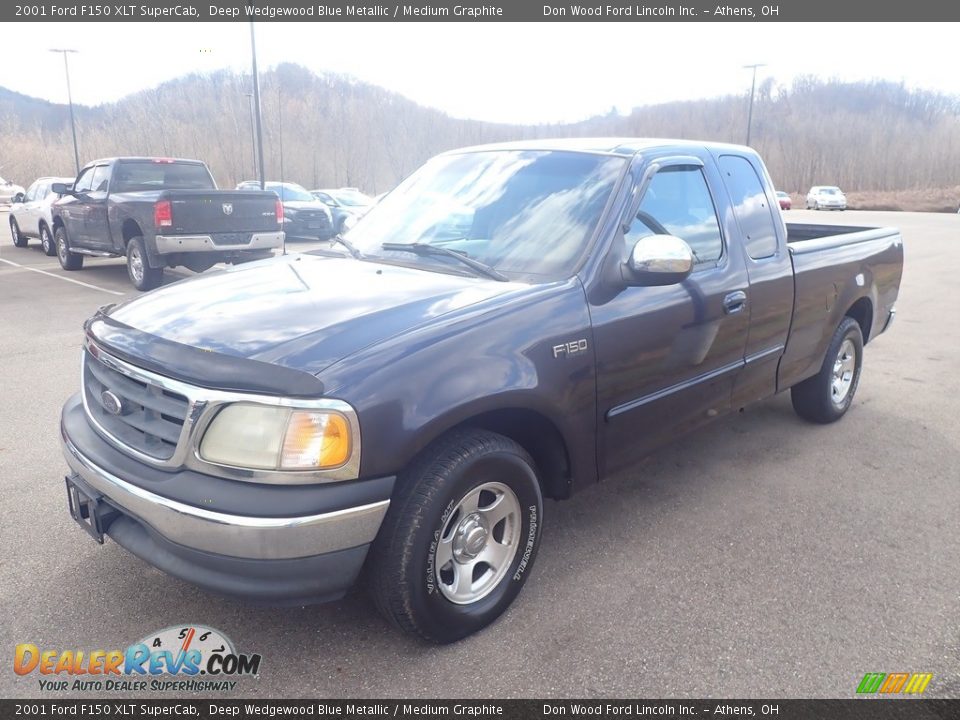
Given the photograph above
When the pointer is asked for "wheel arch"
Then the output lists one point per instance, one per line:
(861, 311)
(129, 230)
(531, 429)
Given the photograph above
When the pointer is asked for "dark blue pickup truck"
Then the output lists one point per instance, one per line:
(511, 322)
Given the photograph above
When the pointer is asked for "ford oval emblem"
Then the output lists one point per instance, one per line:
(228, 208)
(111, 403)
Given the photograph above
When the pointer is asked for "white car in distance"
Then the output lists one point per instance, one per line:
(826, 197)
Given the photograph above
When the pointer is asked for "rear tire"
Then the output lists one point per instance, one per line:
(46, 241)
(68, 260)
(826, 397)
(19, 239)
(141, 274)
(460, 537)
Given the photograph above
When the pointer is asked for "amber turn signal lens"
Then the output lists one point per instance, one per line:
(315, 440)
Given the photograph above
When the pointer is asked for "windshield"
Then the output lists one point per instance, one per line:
(519, 211)
(830, 191)
(290, 192)
(154, 175)
(352, 198)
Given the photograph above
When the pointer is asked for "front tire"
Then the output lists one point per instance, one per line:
(68, 260)
(460, 537)
(19, 239)
(826, 397)
(46, 241)
(141, 274)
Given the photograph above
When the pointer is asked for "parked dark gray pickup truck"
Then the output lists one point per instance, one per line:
(161, 212)
(511, 322)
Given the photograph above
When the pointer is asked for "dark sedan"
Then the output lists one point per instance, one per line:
(304, 217)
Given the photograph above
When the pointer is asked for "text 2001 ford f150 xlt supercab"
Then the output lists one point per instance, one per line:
(511, 322)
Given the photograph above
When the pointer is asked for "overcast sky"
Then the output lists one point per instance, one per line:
(511, 72)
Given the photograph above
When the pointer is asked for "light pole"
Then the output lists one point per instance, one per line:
(753, 87)
(253, 134)
(280, 121)
(73, 123)
(256, 101)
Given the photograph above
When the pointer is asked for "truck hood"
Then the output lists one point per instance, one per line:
(302, 311)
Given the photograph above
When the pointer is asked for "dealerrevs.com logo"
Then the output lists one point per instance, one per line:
(180, 658)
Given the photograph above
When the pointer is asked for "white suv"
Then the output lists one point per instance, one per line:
(30, 214)
(826, 197)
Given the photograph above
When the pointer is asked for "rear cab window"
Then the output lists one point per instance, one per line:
(750, 205)
(141, 175)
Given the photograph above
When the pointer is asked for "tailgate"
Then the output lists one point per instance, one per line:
(208, 212)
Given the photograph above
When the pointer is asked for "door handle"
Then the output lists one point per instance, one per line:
(734, 302)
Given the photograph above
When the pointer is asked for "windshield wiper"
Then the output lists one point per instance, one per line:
(338, 239)
(419, 248)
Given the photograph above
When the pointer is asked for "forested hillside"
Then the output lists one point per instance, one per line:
(338, 131)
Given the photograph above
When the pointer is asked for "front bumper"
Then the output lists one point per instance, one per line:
(301, 230)
(205, 243)
(308, 548)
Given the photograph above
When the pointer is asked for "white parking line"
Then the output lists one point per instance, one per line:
(61, 277)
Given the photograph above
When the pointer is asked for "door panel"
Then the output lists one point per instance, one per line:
(96, 227)
(73, 209)
(668, 356)
(761, 233)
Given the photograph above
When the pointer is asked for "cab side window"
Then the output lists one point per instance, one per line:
(101, 178)
(751, 206)
(678, 203)
(84, 182)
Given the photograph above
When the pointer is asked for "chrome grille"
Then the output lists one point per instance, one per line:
(149, 418)
(313, 216)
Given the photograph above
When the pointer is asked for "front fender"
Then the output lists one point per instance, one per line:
(413, 388)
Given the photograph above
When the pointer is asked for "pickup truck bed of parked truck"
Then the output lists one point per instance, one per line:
(511, 322)
(161, 212)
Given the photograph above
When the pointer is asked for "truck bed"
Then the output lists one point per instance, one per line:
(832, 264)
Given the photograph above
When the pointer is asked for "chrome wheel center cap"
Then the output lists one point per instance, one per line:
(470, 538)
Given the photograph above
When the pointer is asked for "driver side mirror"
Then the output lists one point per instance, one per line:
(18, 198)
(659, 260)
(61, 189)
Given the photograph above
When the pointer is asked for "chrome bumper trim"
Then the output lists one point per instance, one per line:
(890, 318)
(204, 243)
(232, 535)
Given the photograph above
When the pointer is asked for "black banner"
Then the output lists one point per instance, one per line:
(865, 709)
(476, 11)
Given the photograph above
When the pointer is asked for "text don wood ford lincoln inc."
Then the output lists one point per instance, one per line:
(181, 658)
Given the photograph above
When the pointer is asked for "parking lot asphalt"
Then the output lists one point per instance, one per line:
(762, 557)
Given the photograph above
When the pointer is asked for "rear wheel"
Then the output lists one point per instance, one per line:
(827, 396)
(141, 274)
(19, 239)
(46, 241)
(68, 260)
(460, 537)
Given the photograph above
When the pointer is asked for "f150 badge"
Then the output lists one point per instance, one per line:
(570, 348)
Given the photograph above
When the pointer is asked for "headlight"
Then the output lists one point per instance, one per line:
(261, 437)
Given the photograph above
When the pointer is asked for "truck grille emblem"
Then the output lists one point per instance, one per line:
(228, 208)
(111, 403)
